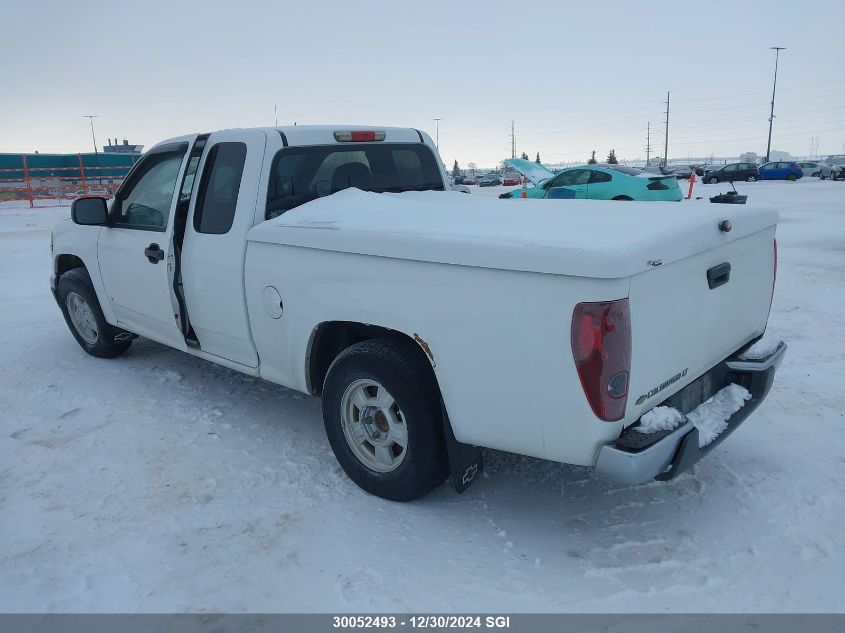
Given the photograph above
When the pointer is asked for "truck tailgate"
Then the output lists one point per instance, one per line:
(689, 314)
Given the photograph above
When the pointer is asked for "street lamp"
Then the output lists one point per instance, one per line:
(437, 133)
(91, 118)
(777, 50)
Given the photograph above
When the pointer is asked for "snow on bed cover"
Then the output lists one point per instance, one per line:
(710, 418)
(581, 237)
(763, 348)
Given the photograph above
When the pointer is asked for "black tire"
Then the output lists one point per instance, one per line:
(627, 198)
(407, 376)
(751, 179)
(792, 177)
(713, 180)
(110, 341)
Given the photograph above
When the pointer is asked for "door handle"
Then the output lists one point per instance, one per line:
(719, 275)
(154, 253)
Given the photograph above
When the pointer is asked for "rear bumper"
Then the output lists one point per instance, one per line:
(677, 451)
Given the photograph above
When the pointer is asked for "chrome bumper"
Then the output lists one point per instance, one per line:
(676, 452)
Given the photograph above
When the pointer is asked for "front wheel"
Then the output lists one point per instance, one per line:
(751, 179)
(713, 180)
(622, 198)
(381, 410)
(85, 319)
(792, 177)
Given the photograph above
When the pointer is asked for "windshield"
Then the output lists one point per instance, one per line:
(301, 174)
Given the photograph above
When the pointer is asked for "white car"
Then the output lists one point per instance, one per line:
(431, 323)
(815, 169)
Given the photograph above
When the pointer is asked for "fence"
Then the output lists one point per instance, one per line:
(61, 180)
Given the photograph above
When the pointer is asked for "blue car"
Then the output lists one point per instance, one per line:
(781, 170)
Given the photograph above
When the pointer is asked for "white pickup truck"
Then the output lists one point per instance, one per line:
(330, 260)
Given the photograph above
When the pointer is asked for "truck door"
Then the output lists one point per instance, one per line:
(135, 251)
(222, 211)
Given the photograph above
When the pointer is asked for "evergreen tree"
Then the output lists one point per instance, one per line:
(611, 158)
(537, 160)
(593, 160)
(524, 156)
(456, 170)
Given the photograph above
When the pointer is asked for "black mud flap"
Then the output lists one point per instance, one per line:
(465, 460)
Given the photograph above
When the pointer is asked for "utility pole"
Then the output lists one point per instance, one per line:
(777, 50)
(91, 118)
(276, 114)
(513, 142)
(647, 143)
(437, 133)
(666, 136)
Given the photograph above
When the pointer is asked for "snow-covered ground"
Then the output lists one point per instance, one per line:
(160, 482)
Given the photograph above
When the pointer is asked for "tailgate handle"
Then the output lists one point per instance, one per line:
(719, 275)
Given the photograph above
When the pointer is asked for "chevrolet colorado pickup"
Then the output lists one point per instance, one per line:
(330, 260)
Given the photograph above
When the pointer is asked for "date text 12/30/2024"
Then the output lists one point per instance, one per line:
(421, 622)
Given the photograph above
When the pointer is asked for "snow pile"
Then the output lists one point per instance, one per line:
(763, 348)
(711, 417)
(660, 419)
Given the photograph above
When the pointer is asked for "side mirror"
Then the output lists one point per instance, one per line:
(89, 211)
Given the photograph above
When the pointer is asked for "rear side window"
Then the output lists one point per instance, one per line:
(599, 176)
(301, 174)
(219, 187)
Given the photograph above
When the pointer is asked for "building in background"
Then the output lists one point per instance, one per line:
(123, 148)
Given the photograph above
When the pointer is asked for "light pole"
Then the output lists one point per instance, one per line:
(777, 50)
(437, 133)
(91, 118)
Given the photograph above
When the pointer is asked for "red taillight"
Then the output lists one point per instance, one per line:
(601, 347)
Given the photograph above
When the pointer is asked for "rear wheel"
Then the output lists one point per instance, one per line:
(622, 198)
(713, 180)
(792, 177)
(85, 319)
(751, 179)
(381, 410)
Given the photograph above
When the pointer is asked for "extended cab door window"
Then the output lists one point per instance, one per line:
(219, 188)
(144, 201)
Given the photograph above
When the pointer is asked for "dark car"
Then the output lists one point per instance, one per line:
(781, 170)
(459, 180)
(470, 180)
(732, 172)
(490, 180)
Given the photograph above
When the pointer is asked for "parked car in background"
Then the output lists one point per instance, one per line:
(837, 163)
(733, 172)
(682, 171)
(470, 180)
(490, 180)
(596, 182)
(459, 180)
(99, 192)
(815, 169)
(781, 170)
(511, 179)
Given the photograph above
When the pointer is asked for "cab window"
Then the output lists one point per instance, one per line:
(144, 201)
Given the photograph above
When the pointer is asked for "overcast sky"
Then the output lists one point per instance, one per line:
(573, 76)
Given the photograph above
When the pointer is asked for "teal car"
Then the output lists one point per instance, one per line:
(595, 182)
